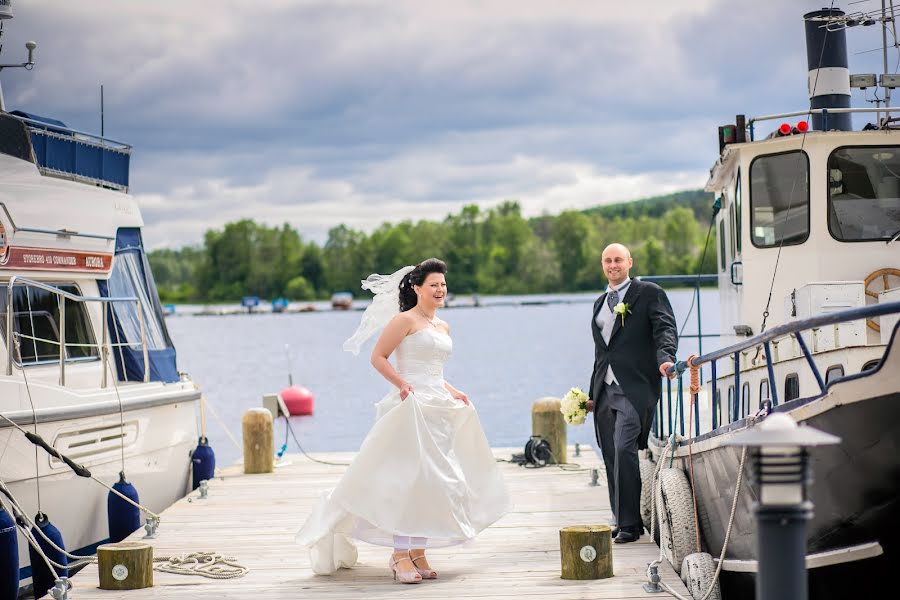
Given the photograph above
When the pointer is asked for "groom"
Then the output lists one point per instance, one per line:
(635, 338)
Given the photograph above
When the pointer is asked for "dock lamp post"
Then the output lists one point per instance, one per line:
(780, 469)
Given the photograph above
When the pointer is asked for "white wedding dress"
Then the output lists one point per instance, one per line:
(424, 476)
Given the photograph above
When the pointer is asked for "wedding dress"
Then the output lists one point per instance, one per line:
(424, 476)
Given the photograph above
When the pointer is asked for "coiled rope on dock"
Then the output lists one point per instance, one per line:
(205, 564)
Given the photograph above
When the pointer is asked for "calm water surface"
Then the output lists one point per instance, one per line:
(504, 357)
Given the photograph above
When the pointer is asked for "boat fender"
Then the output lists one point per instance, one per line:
(698, 571)
(41, 575)
(647, 467)
(9, 557)
(203, 461)
(124, 518)
(298, 400)
(675, 506)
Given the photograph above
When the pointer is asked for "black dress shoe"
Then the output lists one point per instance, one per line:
(626, 536)
(615, 532)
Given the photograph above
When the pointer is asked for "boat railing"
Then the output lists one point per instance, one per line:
(78, 155)
(818, 111)
(62, 297)
(666, 413)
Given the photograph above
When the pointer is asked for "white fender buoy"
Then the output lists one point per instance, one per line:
(675, 508)
(697, 572)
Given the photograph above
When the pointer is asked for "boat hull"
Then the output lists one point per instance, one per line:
(855, 490)
(158, 443)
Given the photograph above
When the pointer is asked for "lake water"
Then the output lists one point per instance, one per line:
(507, 353)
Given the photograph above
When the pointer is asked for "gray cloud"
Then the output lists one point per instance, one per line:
(317, 113)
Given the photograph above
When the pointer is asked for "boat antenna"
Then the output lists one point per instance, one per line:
(5, 14)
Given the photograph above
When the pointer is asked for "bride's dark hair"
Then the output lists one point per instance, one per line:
(417, 276)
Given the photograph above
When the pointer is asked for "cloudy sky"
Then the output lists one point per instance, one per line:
(317, 113)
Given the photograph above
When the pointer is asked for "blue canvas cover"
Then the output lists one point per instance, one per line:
(71, 154)
(131, 276)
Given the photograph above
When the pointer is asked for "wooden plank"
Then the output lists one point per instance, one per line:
(253, 518)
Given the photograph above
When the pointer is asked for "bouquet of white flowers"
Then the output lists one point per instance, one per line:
(574, 406)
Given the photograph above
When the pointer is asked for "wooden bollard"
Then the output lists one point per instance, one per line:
(259, 441)
(586, 552)
(547, 421)
(125, 566)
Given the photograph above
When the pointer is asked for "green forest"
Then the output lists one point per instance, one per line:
(493, 251)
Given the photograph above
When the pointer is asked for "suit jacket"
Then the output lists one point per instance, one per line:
(648, 338)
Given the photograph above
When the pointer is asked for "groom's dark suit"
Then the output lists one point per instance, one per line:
(623, 413)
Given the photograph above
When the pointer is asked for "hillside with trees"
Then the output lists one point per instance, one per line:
(493, 251)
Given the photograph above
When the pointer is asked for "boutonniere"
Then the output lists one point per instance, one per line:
(621, 309)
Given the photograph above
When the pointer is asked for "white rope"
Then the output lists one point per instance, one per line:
(204, 564)
(657, 486)
(208, 403)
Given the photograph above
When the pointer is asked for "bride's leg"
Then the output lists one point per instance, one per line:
(417, 555)
(401, 563)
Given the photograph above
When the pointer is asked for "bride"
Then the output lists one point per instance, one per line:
(424, 476)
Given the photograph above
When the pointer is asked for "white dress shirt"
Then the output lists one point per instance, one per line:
(606, 318)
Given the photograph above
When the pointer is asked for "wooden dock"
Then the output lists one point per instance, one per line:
(253, 518)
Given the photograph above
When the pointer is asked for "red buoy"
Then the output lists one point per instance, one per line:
(298, 400)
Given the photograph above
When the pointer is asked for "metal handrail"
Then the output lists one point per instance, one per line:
(822, 111)
(49, 128)
(794, 329)
(62, 296)
(853, 314)
(59, 232)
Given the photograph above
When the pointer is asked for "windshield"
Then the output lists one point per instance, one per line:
(864, 193)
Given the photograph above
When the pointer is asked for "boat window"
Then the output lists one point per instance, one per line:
(737, 212)
(764, 391)
(127, 280)
(731, 417)
(870, 365)
(717, 407)
(36, 315)
(834, 372)
(745, 399)
(864, 193)
(779, 199)
(723, 260)
(731, 223)
(791, 387)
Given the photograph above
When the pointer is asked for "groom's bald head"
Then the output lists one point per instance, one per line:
(617, 262)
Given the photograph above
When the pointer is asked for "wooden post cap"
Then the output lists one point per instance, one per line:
(125, 566)
(259, 441)
(548, 422)
(586, 552)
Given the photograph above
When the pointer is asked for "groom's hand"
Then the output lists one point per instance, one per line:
(590, 405)
(665, 367)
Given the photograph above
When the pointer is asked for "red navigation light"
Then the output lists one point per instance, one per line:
(784, 129)
(802, 126)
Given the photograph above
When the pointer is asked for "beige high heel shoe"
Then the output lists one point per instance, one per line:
(425, 573)
(405, 577)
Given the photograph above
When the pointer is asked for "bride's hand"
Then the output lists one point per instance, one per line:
(458, 395)
(405, 390)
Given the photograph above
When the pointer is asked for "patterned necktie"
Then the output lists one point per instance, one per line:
(612, 298)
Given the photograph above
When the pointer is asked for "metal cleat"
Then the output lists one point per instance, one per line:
(652, 585)
(151, 526)
(60, 591)
(204, 489)
(595, 476)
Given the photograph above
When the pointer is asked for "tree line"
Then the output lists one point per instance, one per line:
(493, 251)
